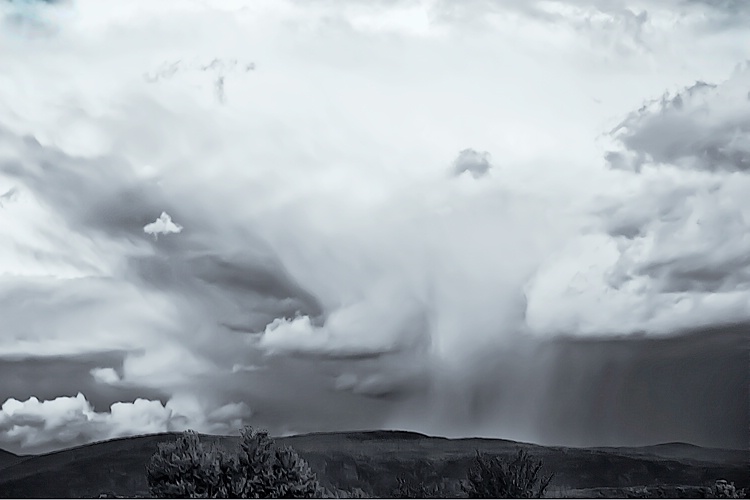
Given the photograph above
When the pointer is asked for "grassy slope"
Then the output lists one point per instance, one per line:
(371, 461)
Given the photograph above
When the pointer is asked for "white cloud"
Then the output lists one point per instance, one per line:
(105, 375)
(162, 225)
(672, 254)
(238, 368)
(8, 196)
(35, 426)
(716, 119)
(386, 320)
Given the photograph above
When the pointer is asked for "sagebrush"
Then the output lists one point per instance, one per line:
(493, 477)
(420, 482)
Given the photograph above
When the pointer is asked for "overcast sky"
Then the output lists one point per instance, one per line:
(508, 218)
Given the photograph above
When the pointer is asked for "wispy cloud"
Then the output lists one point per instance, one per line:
(8, 196)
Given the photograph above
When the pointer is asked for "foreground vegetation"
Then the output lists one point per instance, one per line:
(487, 477)
(188, 468)
(370, 464)
(259, 468)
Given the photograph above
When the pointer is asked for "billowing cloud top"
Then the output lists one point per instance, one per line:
(673, 254)
(331, 275)
(701, 128)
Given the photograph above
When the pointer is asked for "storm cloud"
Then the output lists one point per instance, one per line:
(288, 250)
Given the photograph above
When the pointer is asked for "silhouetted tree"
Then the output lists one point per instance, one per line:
(264, 471)
(187, 469)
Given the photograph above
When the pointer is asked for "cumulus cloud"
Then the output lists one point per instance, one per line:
(672, 253)
(348, 331)
(705, 127)
(162, 225)
(333, 276)
(36, 426)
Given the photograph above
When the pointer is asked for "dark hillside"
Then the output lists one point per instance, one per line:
(372, 460)
(7, 459)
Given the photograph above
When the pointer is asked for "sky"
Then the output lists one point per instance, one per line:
(522, 219)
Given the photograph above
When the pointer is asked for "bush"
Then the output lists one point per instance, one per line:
(187, 469)
(410, 487)
(419, 483)
(339, 493)
(264, 471)
(724, 489)
(492, 477)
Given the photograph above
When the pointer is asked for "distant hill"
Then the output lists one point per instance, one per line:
(372, 460)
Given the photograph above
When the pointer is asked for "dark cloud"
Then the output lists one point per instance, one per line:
(698, 274)
(725, 13)
(214, 294)
(99, 194)
(258, 288)
(687, 388)
(105, 195)
(51, 376)
(264, 278)
(631, 391)
(267, 308)
(300, 395)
